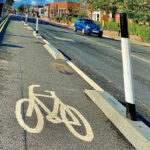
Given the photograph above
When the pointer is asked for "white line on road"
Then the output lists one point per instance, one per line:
(147, 61)
(141, 58)
(84, 76)
(63, 39)
(102, 44)
(46, 41)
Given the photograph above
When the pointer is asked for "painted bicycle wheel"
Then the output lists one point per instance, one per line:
(40, 121)
(72, 112)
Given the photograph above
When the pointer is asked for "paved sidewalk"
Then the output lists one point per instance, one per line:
(24, 62)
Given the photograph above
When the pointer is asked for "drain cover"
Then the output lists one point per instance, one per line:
(63, 69)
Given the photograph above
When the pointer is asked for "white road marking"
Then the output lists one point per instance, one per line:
(52, 116)
(4, 61)
(102, 44)
(64, 39)
(85, 77)
(147, 61)
(46, 41)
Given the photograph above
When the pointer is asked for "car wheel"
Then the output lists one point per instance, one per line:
(75, 29)
(100, 35)
(83, 30)
(89, 33)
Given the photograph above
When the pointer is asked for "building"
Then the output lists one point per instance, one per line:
(64, 8)
(60, 8)
(98, 15)
(46, 10)
(37, 9)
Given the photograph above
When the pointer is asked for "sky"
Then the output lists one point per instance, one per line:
(2, 1)
(33, 2)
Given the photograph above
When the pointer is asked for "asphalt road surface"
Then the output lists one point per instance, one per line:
(101, 59)
(34, 119)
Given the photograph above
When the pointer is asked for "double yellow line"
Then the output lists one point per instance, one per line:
(3, 23)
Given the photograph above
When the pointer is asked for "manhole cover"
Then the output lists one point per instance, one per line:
(63, 69)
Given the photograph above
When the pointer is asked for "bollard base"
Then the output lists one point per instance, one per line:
(131, 112)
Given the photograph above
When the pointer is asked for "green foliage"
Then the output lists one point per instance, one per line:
(21, 8)
(55, 18)
(112, 26)
(64, 19)
(133, 28)
(104, 5)
(73, 19)
(79, 13)
(99, 23)
(137, 10)
(142, 31)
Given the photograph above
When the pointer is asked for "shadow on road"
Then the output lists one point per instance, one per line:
(19, 36)
(11, 45)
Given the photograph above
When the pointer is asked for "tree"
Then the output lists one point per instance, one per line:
(137, 10)
(21, 8)
(80, 13)
(104, 5)
(91, 6)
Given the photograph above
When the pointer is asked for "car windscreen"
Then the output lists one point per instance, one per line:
(89, 22)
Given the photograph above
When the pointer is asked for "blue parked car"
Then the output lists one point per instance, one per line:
(87, 26)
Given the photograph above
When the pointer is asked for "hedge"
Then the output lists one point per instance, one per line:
(55, 18)
(144, 32)
(64, 19)
(134, 29)
(111, 26)
(73, 20)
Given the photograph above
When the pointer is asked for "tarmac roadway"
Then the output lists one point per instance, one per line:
(101, 59)
(62, 117)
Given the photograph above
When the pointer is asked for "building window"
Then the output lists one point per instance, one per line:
(97, 17)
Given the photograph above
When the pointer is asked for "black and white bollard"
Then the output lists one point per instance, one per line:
(37, 24)
(127, 69)
(26, 19)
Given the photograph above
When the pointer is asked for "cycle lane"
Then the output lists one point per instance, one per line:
(29, 65)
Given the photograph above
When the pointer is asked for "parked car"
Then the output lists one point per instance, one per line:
(87, 26)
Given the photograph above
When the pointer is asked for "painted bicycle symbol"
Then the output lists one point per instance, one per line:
(52, 116)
